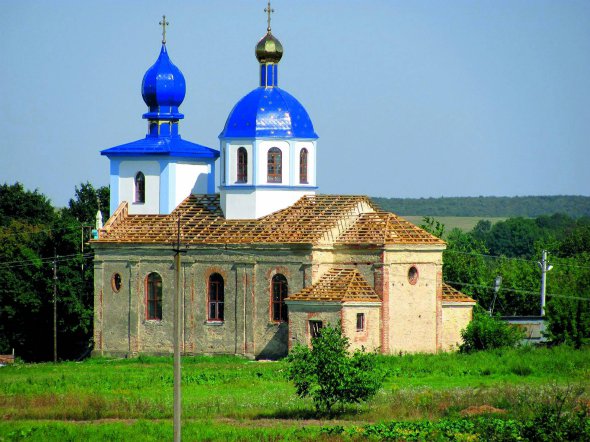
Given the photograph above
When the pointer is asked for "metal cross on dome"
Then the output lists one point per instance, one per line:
(269, 11)
(164, 23)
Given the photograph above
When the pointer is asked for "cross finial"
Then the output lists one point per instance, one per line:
(164, 23)
(269, 11)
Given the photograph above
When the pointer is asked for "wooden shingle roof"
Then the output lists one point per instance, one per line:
(312, 220)
(450, 294)
(338, 284)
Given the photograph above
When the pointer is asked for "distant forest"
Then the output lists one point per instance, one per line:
(492, 206)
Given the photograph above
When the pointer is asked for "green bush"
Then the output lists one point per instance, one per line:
(485, 332)
(328, 374)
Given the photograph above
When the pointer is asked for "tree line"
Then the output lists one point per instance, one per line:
(35, 237)
(512, 250)
(489, 206)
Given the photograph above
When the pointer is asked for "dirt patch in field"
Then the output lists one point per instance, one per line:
(481, 409)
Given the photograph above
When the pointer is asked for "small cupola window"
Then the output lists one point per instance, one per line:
(303, 166)
(275, 166)
(242, 165)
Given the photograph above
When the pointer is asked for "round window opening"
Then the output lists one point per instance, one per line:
(413, 275)
(116, 282)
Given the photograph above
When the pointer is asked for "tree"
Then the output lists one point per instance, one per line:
(31, 231)
(568, 313)
(465, 266)
(329, 374)
(87, 202)
(433, 226)
(22, 205)
(515, 237)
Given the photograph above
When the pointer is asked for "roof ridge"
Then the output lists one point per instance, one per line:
(120, 214)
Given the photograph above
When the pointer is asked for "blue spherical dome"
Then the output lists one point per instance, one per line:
(268, 113)
(163, 88)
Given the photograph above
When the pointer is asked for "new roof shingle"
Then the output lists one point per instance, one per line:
(331, 219)
(338, 284)
(450, 294)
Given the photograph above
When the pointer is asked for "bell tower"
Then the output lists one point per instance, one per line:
(268, 144)
(158, 172)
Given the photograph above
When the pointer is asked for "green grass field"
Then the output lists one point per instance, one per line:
(465, 223)
(229, 398)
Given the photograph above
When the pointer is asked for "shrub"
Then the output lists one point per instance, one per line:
(564, 417)
(328, 374)
(486, 332)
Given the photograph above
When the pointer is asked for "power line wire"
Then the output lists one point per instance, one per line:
(526, 292)
(557, 260)
(34, 262)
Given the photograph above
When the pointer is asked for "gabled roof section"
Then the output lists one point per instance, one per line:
(450, 294)
(171, 146)
(338, 284)
(386, 228)
(313, 219)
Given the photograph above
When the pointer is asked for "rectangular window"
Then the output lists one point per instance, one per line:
(360, 322)
(314, 328)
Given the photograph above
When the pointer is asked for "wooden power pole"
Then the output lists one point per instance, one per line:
(54, 305)
(177, 342)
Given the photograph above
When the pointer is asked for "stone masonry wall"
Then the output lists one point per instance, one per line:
(121, 327)
(456, 316)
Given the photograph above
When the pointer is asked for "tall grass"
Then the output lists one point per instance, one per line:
(230, 393)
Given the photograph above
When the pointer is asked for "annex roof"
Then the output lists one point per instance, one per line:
(450, 294)
(338, 284)
(313, 219)
(170, 146)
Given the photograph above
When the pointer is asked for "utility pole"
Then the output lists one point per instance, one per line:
(545, 267)
(177, 341)
(54, 305)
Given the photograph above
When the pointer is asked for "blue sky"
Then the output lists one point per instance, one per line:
(410, 99)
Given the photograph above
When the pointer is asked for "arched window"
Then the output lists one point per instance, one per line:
(154, 297)
(279, 291)
(242, 165)
(303, 166)
(215, 295)
(140, 188)
(275, 166)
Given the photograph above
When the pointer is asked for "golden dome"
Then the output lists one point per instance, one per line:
(269, 49)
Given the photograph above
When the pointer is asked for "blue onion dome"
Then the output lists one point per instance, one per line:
(268, 113)
(269, 49)
(163, 89)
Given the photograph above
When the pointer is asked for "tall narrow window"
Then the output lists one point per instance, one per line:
(154, 297)
(315, 327)
(360, 322)
(216, 297)
(275, 166)
(303, 166)
(279, 291)
(140, 188)
(242, 165)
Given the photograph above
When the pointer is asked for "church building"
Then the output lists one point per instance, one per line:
(267, 261)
